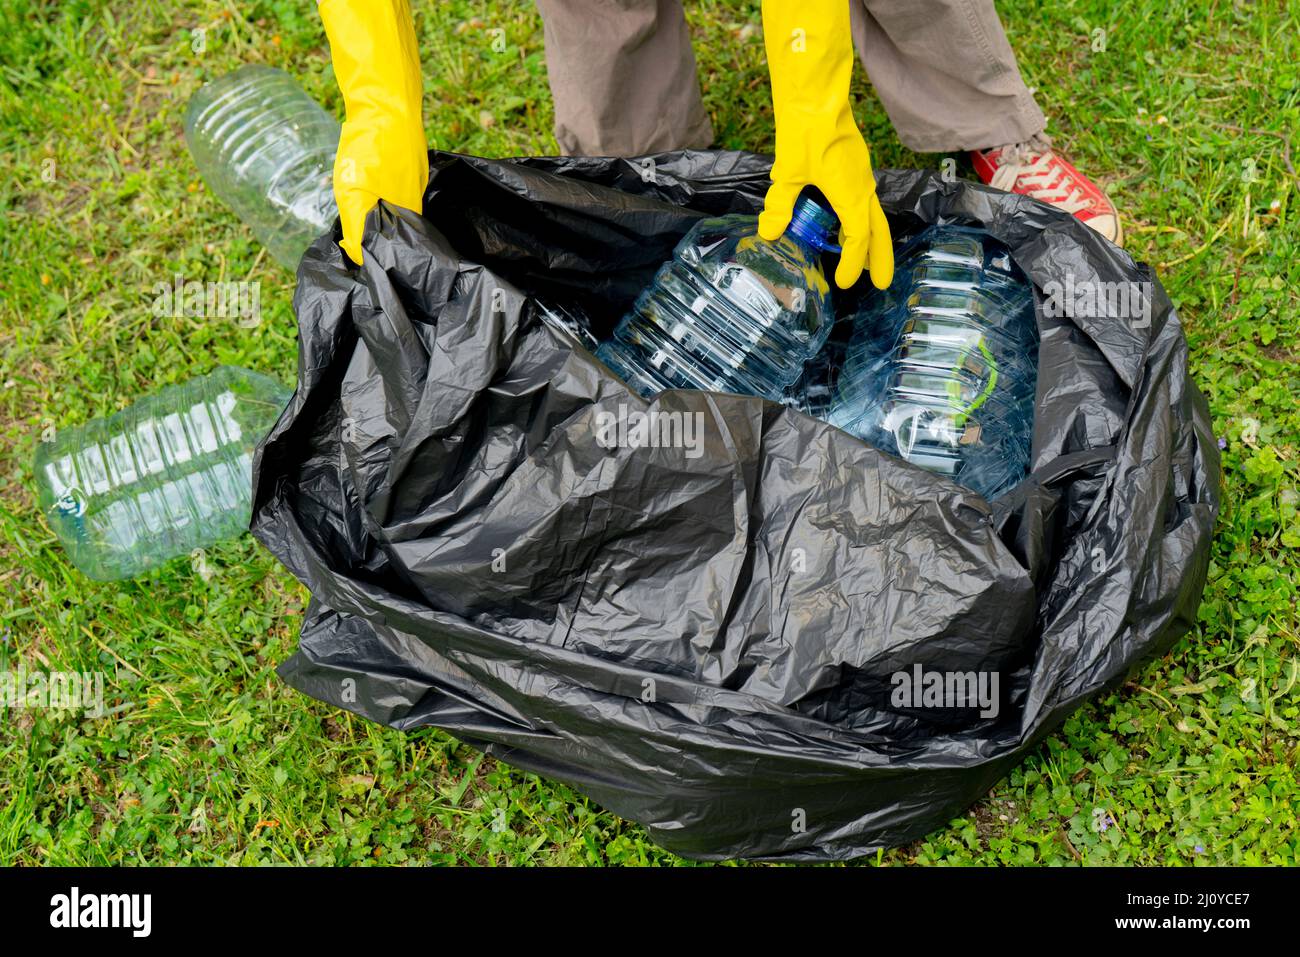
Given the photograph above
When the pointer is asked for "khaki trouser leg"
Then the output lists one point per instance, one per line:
(945, 73)
(622, 76)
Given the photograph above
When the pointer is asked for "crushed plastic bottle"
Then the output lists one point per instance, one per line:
(730, 312)
(267, 149)
(161, 478)
(941, 368)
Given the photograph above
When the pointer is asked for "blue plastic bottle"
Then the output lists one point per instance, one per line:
(730, 312)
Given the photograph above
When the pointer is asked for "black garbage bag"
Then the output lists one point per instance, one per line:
(710, 641)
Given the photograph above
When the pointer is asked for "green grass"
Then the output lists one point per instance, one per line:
(1191, 117)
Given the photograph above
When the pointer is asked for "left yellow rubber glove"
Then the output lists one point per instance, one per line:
(382, 152)
(810, 59)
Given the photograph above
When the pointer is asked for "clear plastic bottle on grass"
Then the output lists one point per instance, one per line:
(266, 149)
(167, 475)
(730, 312)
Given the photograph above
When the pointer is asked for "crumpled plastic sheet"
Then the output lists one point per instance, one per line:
(707, 645)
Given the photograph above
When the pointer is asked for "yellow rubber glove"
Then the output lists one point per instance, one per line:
(810, 58)
(382, 152)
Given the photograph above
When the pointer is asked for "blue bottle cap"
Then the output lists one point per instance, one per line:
(813, 225)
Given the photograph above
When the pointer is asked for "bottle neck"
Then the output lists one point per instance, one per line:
(812, 247)
(811, 227)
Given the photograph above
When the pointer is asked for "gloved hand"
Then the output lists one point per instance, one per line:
(382, 152)
(810, 58)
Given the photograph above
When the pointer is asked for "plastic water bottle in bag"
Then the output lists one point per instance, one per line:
(730, 312)
(941, 367)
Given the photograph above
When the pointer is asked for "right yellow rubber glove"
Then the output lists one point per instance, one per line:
(382, 152)
(810, 59)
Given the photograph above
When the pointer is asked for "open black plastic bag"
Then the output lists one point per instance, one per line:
(709, 645)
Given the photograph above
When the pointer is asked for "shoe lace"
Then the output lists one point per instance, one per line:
(1039, 176)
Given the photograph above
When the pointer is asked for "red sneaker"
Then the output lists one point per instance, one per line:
(1033, 169)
